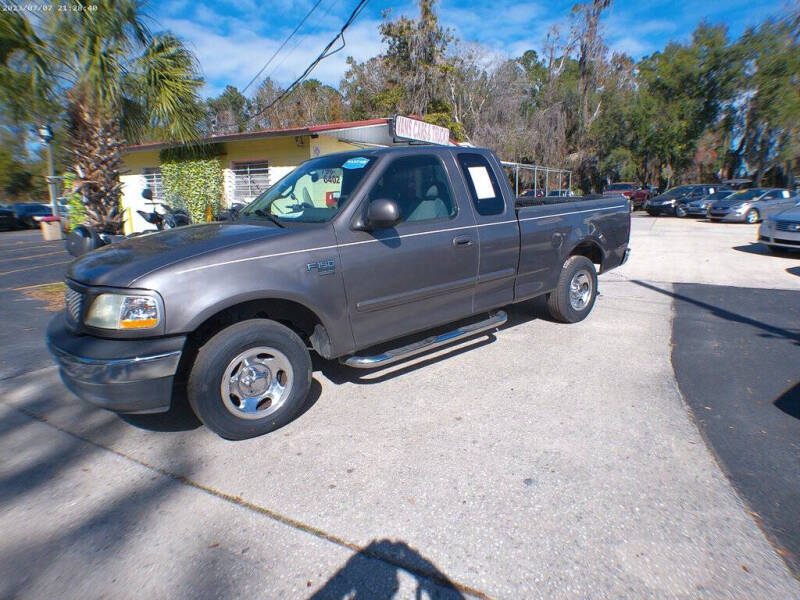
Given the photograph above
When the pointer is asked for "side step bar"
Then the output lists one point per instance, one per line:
(391, 356)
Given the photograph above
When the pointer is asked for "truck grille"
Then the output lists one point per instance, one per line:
(787, 226)
(74, 302)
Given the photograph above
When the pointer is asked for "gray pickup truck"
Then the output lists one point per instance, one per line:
(347, 252)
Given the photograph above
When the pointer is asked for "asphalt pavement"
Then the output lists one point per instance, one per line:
(28, 268)
(736, 353)
(544, 460)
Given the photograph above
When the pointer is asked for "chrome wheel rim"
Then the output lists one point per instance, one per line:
(256, 383)
(752, 216)
(580, 290)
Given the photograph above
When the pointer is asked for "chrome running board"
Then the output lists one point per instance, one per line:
(391, 356)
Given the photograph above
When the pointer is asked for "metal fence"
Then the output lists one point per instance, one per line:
(537, 177)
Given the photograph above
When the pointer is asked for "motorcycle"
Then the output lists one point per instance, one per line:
(83, 239)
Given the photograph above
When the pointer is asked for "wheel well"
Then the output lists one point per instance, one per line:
(303, 321)
(590, 250)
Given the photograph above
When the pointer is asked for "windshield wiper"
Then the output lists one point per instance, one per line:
(270, 216)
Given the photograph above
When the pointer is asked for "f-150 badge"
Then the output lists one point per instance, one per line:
(323, 267)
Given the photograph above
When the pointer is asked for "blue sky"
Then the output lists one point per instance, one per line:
(233, 39)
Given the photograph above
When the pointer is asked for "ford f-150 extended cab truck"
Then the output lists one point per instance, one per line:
(347, 252)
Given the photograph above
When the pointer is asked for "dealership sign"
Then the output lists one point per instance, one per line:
(414, 129)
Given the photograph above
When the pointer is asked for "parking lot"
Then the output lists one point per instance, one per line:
(649, 451)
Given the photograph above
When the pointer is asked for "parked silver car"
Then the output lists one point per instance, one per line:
(750, 206)
(781, 231)
(699, 207)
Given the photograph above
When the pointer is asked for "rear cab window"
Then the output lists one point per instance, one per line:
(482, 184)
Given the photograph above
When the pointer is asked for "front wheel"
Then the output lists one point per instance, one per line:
(680, 210)
(249, 379)
(575, 292)
(751, 216)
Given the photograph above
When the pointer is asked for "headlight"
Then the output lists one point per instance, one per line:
(740, 209)
(670, 202)
(118, 311)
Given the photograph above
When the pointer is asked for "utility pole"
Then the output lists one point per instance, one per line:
(46, 136)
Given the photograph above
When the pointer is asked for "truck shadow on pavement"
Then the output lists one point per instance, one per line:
(181, 417)
(379, 571)
(339, 374)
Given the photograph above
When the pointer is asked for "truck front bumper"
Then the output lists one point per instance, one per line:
(126, 376)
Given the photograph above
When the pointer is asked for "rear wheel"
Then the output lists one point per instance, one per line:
(751, 216)
(575, 292)
(249, 379)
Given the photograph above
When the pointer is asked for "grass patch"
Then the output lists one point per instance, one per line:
(51, 294)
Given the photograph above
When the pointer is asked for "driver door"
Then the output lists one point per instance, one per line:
(420, 273)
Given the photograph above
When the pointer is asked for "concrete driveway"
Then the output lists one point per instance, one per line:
(543, 461)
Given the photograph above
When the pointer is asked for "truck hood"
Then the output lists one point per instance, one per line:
(120, 264)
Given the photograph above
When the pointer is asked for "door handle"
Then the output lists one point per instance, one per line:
(462, 240)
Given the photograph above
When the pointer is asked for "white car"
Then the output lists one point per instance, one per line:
(781, 231)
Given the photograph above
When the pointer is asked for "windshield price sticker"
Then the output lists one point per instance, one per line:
(358, 162)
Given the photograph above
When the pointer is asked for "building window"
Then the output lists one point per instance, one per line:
(249, 180)
(152, 179)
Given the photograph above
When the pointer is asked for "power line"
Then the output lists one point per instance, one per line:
(291, 35)
(297, 42)
(323, 55)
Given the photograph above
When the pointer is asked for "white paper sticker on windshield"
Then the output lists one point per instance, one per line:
(482, 182)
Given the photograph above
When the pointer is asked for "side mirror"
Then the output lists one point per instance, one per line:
(147, 193)
(382, 213)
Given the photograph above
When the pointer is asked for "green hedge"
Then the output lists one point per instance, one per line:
(193, 184)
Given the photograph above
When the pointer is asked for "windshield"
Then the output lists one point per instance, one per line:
(746, 195)
(677, 192)
(618, 187)
(312, 193)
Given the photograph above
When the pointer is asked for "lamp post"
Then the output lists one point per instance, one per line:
(46, 137)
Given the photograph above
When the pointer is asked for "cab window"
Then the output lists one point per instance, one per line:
(420, 187)
(482, 184)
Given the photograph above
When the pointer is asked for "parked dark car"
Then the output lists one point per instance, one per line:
(416, 238)
(699, 208)
(8, 219)
(781, 231)
(673, 201)
(26, 211)
(560, 193)
(750, 206)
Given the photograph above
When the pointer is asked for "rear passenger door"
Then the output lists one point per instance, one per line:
(498, 230)
(420, 273)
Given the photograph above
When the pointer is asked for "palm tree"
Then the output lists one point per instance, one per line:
(113, 79)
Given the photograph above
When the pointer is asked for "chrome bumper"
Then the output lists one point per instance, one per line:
(120, 370)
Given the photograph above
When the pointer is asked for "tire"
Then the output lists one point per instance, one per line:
(680, 211)
(752, 216)
(258, 356)
(563, 304)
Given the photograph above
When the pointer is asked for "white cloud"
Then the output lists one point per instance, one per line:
(235, 59)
